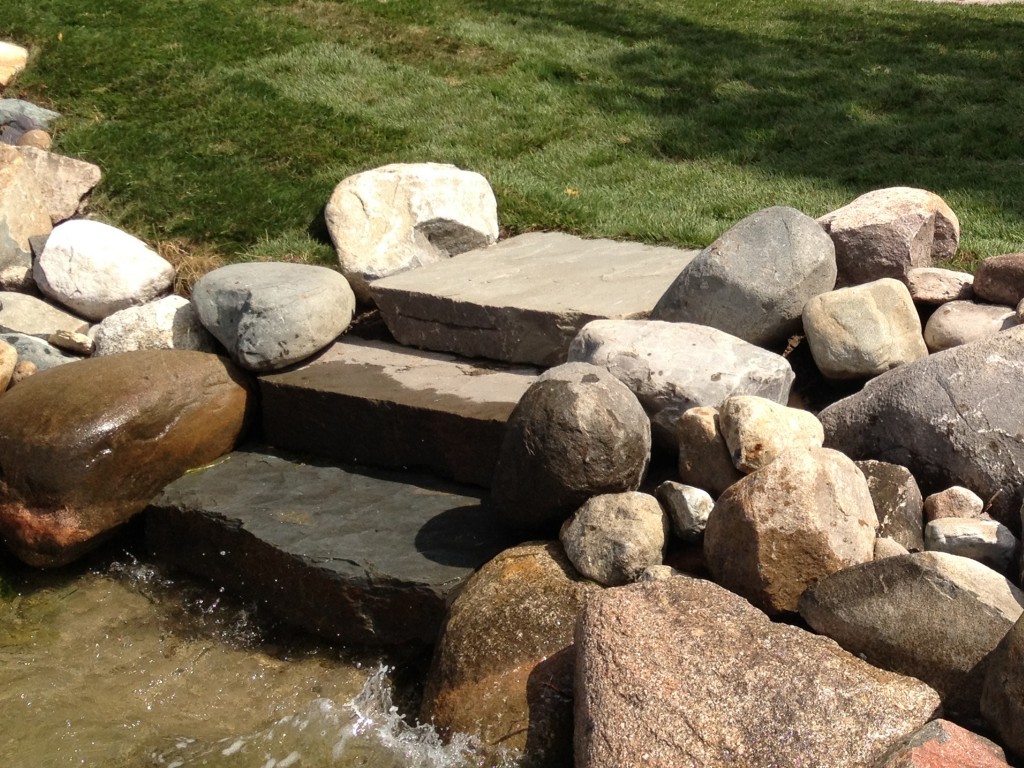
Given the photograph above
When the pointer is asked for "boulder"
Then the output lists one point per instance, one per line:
(779, 530)
(680, 673)
(942, 744)
(270, 315)
(1000, 279)
(1002, 699)
(754, 280)
(931, 615)
(22, 215)
(934, 285)
(614, 537)
(36, 351)
(22, 313)
(953, 502)
(952, 418)
(886, 547)
(887, 232)
(757, 430)
(19, 110)
(687, 507)
(704, 457)
(167, 323)
(96, 270)
(503, 666)
(897, 501)
(13, 59)
(577, 432)
(961, 322)
(64, 182)
(85, 447)
(401, 216)
(986, 541)
(863, 330)
(672, 367)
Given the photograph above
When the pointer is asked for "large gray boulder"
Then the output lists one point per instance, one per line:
(931, 615)
(754, 280)
(774, 533)
(953, 418)
(401, 216)
(270, 315)
(672, 367)
(577, 432)
(680, 673)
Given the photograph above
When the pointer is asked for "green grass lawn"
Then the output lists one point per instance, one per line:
(225, 124)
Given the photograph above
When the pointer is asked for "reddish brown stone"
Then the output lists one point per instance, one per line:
(1000, 279)
(942, 744)
(85, 446)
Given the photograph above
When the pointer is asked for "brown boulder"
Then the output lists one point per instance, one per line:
(503, 668)
(1000, 279)
(84, 447)
(942, 744)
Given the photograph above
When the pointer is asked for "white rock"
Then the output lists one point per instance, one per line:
(933, 285)
(96, 269)
(69, 341)
(688, 508)
(986, 541)
(12, 61)
(757, 430)
(169, 323)
(401, 216)
(704, 459)
(960, 322)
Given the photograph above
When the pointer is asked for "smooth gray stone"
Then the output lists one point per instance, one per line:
(11, 110)
(357, 557)
(523, 300)
(376, 403)
(37, 351)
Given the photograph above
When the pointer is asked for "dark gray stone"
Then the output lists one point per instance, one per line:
(897, 501)
(357, 557)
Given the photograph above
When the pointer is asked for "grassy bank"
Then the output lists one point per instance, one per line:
(224, 124)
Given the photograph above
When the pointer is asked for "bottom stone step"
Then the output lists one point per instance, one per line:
(366, 558)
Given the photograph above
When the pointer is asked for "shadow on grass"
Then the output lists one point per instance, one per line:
(864, 98)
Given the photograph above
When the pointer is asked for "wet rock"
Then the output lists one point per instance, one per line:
(886, 547)
(503, 666)
(863, 330)
(986, 541)
(401, 408)
(931, 615)
(22, 216)
(779, 530)
(754, 280)
(933, 285)
(942, 744)
(897, 501)
(525, 299)
(951, 419)
(96, 270)
(21, 313)
(614, 537)
(36, 351)
(577, 432)
(953, 502)
(682, 673)
(65, 182)
(672, 367)
(85, 447)
(1002, 700)
(358, 557)
(757, 431)
(887, 232)
(402, 216)
(12, 61)
(270, 315)
(1000, 279)
(961, 322)
(167, 323)
(704, 457)
(688, 508)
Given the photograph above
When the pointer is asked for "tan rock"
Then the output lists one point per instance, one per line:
(37, 138)
(886, 547)
(23, 370)
(22, 216)
(503, 667)
(953, 502)
(85, 446)
(1000, 279)
(704, 459)
(680, 673)
(961, 322)
(12, 61)
(933, 285)
(1002, 699)
(64, 181)
(757, 430)
(79, 343)
(8, 361)
(779, 530)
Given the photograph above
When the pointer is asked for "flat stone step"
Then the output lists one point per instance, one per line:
(370, 402)
(363, 558)
(523, 300)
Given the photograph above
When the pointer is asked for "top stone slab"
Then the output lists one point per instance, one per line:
(523, 300)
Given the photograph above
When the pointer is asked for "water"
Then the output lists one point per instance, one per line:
(119, 666)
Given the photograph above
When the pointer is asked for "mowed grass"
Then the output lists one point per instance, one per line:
(225, 124)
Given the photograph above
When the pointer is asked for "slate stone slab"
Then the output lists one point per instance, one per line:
(360, 558)
(523, 300)
(375, 403)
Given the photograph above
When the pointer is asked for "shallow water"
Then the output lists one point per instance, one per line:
(121, 666)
